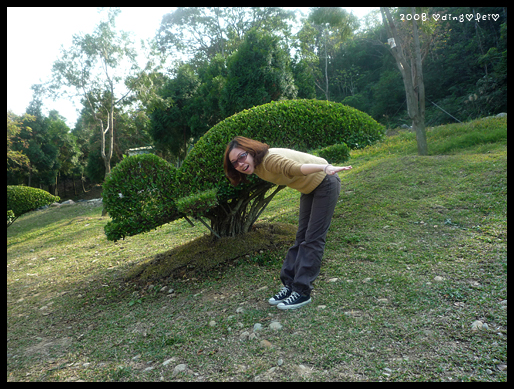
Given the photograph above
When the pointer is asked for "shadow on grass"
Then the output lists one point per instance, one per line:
(200, 257)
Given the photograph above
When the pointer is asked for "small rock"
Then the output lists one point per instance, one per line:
(333, 279)
(257, 327)
(212, 323)
(244, 335)
(136, 357)
(478, 325)
(275, 325)
(265, 343)
(365, 280)
(171, 291)
(320, 307)
(302, 370)
(240, 310)
(438, 279)
(180, 368)
(68, 202)
(149, 368)
(252, 336)
(168, 361)
(281, 362)
(384, 301)
(502, 367)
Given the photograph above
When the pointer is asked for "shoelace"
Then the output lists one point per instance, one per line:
(293, 297)
(283, 292)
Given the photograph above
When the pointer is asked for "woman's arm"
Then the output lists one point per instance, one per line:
(309, 168)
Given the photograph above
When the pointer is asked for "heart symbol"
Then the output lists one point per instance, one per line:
(495, 17)
(469, 17)
(436, 16)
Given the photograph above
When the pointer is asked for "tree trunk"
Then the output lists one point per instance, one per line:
(238, 216)
(412, 75)
(418, 122)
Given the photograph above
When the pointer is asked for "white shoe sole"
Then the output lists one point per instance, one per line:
(294, 306)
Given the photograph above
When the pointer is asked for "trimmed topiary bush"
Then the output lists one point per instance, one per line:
(139, 195)
(199, 188)
(23, 199)
(335, 154)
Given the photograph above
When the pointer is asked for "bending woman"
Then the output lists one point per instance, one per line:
(319, 185)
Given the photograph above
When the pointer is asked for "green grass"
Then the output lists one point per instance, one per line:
(78, 307)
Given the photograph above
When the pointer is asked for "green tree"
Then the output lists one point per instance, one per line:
(333, 25)
(93, 67)
(17, 161)
(61, 137)
(203, 32)
(258, 73)
(171, 127)
(193, 106)
(36, 143)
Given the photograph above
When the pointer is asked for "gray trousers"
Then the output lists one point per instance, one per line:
(303, 260)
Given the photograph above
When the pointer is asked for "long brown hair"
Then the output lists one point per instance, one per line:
(255, 148)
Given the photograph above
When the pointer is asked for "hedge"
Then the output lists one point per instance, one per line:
(23, 199)
(139, 195)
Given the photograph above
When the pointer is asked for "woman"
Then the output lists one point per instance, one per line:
(319, 184)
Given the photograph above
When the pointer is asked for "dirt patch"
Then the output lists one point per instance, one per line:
(45, 344)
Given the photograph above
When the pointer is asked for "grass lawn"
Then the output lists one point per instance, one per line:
(416, 253)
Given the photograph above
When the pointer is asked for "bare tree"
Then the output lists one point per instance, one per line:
(408, 57)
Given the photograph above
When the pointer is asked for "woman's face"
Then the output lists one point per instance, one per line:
(242, 161)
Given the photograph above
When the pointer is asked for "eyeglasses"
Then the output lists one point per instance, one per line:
(240, 159)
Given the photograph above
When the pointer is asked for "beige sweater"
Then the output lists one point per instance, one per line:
(282, 167)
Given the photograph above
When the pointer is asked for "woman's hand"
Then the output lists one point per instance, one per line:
(331, 170)
(328, 169)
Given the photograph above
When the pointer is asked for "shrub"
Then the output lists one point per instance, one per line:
(10, 217)
(335, 154)
(139, 196)
(199, 188)
(22, 199)
(302, 125)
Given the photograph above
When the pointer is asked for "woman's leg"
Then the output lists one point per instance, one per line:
(287, 273)
(310, 251)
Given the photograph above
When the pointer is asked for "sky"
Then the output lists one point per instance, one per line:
(35, 35)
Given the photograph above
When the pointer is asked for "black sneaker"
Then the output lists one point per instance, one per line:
(296, 300)
(284, 293)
